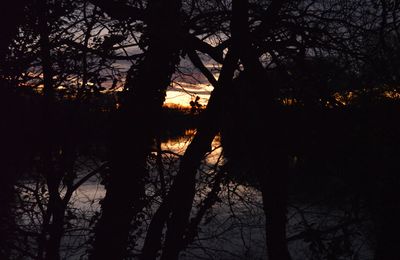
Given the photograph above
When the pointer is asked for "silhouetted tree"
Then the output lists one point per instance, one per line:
(136, 124)
(9, 23)
(294, 71)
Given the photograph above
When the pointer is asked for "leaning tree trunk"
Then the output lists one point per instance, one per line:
(134, 131)
(183, 191)
(180, 198)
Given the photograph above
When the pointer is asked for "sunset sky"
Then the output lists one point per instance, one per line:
(188, 83)
(181, 93)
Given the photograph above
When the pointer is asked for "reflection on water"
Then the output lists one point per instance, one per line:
(178, 144)
(233, 228)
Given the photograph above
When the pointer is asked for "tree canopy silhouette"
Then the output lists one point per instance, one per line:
(301, 89)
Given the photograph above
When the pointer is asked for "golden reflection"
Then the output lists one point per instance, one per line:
(391, 94)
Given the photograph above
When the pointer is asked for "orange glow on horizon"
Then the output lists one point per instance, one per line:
(182, 93)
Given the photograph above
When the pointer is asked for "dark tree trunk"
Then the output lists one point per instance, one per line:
(55, 228)
(9, 20)
(12, 142)
(53, 221)
(386, 216)
(272, 176)
(184, 186)
(273, 185)
(180, 198)
(135, 129)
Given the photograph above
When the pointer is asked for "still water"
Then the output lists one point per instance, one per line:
(233, 228)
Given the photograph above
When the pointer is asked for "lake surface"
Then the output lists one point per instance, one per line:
(233, 228)
(235, 225)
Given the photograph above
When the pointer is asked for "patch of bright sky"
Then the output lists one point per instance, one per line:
(188, 83)
(181, 93)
